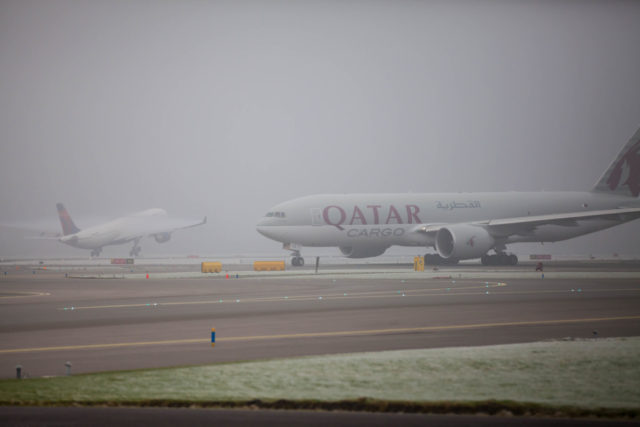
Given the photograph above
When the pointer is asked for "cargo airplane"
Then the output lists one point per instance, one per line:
(458, 226)
(131, 228)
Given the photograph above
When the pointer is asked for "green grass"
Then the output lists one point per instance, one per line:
(584, 377)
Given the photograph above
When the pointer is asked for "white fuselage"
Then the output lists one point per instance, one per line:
(392, 219)
(118, 231)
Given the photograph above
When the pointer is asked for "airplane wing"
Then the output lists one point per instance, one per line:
(32, 231)
(45, 235)
(165, 226)
(506, 227)
(203, 222)
(525, 225)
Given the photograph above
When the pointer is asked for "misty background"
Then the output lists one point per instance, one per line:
(226, 108)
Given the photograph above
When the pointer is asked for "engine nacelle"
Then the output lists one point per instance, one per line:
(362, 251)
(162, 237)
(463, 241)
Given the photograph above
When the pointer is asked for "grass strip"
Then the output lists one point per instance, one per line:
(597, 377)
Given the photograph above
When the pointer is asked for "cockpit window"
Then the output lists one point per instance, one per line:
(276, 214)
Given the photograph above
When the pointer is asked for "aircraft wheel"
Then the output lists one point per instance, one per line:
(297, 261)
(485, 259)
(513, 260)
(300, 261)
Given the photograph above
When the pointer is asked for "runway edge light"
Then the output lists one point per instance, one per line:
(213, 337)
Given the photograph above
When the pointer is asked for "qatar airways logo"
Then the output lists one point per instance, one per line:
(627, 171)
(376, 214)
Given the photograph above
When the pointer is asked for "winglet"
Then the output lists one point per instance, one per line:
(203, 222)
(68, 227)
(623, 175)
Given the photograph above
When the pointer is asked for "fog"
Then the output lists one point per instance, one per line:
(226, 108)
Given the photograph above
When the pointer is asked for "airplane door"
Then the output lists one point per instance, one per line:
(316, 216)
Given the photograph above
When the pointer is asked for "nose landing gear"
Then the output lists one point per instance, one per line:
(296, 259)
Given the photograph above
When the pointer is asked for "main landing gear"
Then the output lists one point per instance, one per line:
(435, 259)
(499, 258)
(96, 252)
(135, 250)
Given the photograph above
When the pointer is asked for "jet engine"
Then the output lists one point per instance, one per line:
(162, 237)
(362, 251)
(463, 241)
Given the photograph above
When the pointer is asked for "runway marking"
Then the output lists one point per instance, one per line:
(359, 295)
(347, 295)
(25, 294)
(319, 334)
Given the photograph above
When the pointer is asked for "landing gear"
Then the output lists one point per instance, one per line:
(435, 259)
(499, 258)
(297, 261)
(135, 250)
(96, 252)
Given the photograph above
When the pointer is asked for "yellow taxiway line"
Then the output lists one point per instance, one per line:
(25, 294)
(319, 334)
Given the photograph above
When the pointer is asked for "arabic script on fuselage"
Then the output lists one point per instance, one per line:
(458, 205)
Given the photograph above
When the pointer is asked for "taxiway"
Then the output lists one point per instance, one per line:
(47, 319)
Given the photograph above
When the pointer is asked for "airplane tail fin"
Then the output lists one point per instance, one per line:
(623, 175)
(68, 227)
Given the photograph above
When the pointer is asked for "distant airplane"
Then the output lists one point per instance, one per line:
(457, 225)
(131, 228)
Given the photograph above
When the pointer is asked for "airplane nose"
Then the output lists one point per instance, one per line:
(262, 223)
(263, 226)
(266, 231)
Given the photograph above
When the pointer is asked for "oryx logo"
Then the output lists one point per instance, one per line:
(629, 166)
(471, 242)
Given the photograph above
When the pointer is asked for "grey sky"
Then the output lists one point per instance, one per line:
(227, 108)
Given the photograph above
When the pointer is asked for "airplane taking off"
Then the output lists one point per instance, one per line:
(457, 225)
(130, 228)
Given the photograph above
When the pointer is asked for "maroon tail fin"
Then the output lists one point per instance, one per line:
(68, 227)
(623, 176)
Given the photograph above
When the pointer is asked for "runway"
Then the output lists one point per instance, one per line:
(115, 324)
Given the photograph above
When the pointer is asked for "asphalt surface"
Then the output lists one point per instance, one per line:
(26, 416)
(115, 324)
